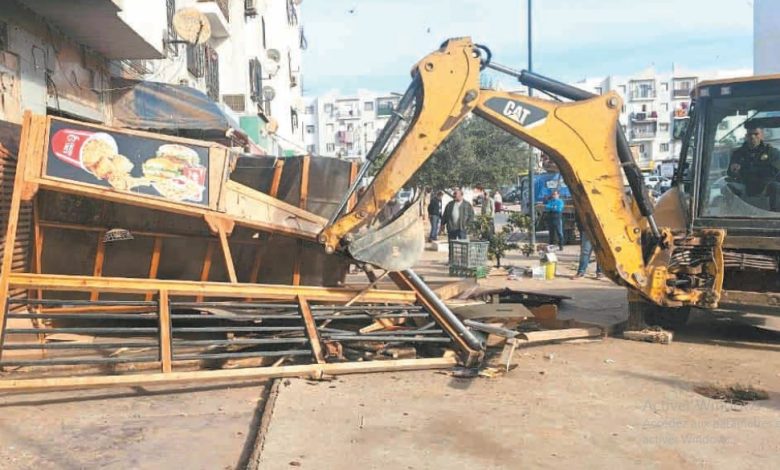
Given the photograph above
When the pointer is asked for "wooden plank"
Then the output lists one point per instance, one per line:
(278, 167)
(353, 170)
(38, 235)
(204, 272)
(164, 317)
(26, 143)
(231, 268)
(557, 335)
(97, 271)
(73, 383)
(454, 289)
(154, 265)
(204, 289)
(256, 264)
(311, 329)
(304, 201)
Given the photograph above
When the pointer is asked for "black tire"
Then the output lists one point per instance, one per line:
(642, 314)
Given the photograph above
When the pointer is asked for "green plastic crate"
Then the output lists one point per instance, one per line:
(468, 254)
(478, 272)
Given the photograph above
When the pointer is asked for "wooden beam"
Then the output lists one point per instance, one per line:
(97, 271)
(306, 164)
(204, 272)
(296, 278)
(27, 144)
(278, 167)
(255, 373)
(154, 265)
(231, 268)
(353, 170)
(38, 236)
(164, 317)
(311, 329)
(204, 289)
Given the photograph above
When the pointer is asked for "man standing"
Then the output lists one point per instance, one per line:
(434, 215)
(498, 201)
(554, 212)
(457, 216)
(755, 167)
(586, 248)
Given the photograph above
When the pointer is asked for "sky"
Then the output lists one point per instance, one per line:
(372, 44)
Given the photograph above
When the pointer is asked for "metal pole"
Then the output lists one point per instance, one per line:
(532, 156)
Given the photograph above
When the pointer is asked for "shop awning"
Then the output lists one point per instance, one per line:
(167, 108)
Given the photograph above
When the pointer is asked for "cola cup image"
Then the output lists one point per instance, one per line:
(84, 149)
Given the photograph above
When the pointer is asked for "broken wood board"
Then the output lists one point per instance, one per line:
(457, 288)
(650, 336)
(475, 310)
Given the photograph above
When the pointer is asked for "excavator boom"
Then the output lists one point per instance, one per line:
(583, 139)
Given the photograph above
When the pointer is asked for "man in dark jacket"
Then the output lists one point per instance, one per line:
(754, 168)
(434, 215)
(458, 216)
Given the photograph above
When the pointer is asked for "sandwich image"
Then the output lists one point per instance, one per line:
(176, 173)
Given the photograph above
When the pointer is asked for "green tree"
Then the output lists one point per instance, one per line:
(477, 152)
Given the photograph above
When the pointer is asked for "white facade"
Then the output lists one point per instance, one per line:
(55, 58)
(766, 36)
(251, 65)
(653, 104)
(346, 126)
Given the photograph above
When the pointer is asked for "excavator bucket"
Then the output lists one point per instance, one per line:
(394, 246)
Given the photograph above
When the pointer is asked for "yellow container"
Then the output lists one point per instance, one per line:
(549, 270)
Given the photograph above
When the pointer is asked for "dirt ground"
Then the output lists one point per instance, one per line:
(584, 404)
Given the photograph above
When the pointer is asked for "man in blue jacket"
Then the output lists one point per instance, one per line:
(554, 211)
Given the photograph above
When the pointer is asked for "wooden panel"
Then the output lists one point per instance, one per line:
(278, 167)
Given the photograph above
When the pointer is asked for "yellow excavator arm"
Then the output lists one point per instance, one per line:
(581, 137)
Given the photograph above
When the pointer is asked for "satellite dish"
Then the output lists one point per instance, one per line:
(269, 93)
(274, 55)
(192, 25)
(272, 126)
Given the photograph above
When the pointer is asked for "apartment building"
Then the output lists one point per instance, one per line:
(654, 105)
(346, 126)
(251, 66)
(59, 59)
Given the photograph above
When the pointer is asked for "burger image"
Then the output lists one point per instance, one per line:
(176, 173)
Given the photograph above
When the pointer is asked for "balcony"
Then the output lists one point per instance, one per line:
(643, 135)
(115, 29)
(683, 93)
(218, 14)
(643, 94)
(644, 117)
(347, 114)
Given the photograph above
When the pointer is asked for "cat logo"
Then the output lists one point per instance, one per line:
(516, 112)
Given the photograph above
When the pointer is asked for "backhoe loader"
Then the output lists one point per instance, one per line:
(711, 242)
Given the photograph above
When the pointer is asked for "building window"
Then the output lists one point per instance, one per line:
(664, 127)
(212, 73)
(368, 106)
(665, 107)
(349, 127)
(329, 129)
(641, 148)
(350, 146)
(292, 13)
(294, 119)
(664, 147)
(385, 107)
(664, 86)
(309, 110)
(255, 80)
(310, 129)
(311, 149)
(170, 33)
(328, 108)
(330, 147)
(196, 60)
